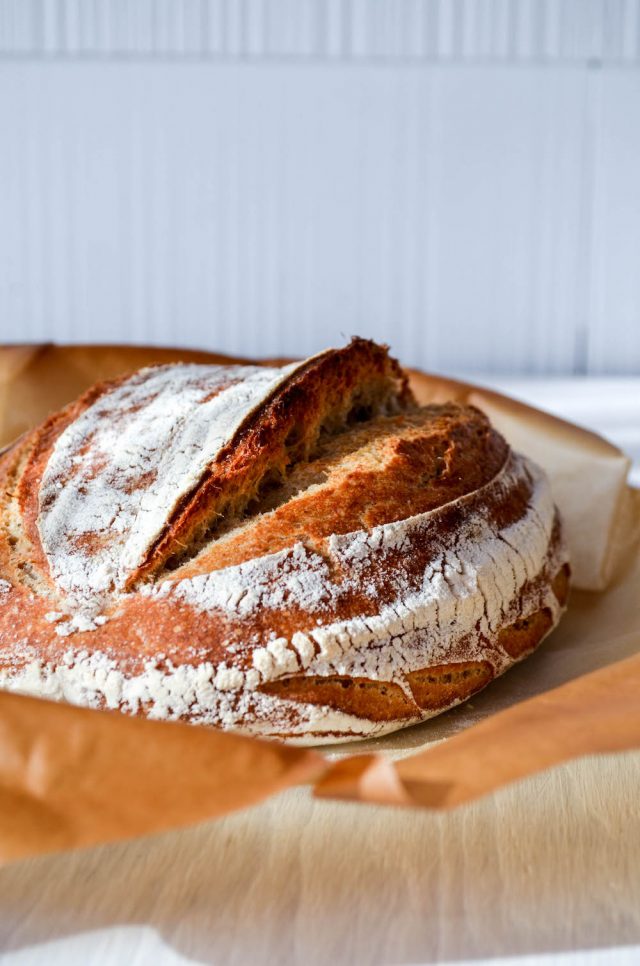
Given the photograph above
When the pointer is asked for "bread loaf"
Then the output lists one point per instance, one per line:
(297, 552)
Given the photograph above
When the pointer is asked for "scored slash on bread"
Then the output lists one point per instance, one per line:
(299, 552)
(320, 398)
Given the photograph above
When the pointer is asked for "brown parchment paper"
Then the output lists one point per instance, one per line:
(71, 777)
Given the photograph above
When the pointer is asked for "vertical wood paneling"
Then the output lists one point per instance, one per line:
(506, 203)
(277, 209)
(614, 323)
(456, 177)
(486, 30)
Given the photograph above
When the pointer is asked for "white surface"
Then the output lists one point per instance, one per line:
(116, 946)
(610, 407)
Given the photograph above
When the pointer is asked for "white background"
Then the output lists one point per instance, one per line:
(460, 178)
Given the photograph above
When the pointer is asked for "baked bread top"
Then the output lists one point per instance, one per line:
(300, 552)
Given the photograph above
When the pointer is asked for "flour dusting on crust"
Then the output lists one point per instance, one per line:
(367, 620)
(471, 589)
(120, 468)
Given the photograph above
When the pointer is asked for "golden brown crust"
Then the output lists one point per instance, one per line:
(367, 477)
(433, 688)
(352, 509)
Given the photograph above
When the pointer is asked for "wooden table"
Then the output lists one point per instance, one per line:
(548, 865)
(551, 864)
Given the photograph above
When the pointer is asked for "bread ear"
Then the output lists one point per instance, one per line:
(321, 397)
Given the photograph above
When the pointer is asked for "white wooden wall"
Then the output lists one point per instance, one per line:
(460, 178)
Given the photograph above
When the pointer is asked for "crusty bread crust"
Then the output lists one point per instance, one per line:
(326, 561)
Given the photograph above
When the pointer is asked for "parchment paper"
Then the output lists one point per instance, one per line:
(71, 777)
